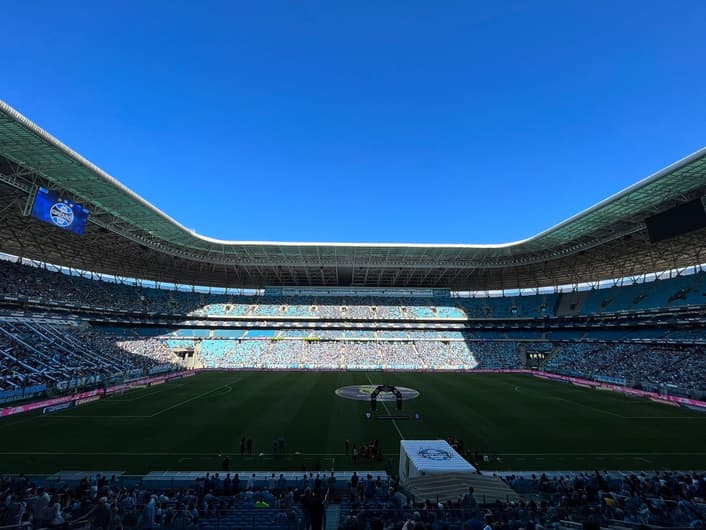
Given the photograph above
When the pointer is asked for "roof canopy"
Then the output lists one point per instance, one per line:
(129, 237)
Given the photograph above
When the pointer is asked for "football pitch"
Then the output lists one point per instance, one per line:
(520, 422)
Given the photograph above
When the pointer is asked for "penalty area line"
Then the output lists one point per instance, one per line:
(227, 385)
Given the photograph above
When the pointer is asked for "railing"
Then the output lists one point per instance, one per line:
(248, 519)
(26, 525)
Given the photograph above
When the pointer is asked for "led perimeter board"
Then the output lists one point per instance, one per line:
(63, 213)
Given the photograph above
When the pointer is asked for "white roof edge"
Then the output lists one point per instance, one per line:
(4, 107)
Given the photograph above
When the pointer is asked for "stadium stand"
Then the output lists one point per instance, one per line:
(228, 500)
(341, 307)
(35, 354)
(32, 283)
(40, 354)
(680, 366)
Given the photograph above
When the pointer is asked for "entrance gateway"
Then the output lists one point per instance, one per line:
(364, 393)
(431, 457)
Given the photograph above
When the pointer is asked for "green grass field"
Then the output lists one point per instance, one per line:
(521, 422)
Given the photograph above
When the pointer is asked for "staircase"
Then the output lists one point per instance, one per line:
(570, 304)
(452, 486)
(333, 517)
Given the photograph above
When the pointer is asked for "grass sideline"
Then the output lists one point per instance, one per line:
(519, 421)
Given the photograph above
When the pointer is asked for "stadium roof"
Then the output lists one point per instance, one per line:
(129, 237)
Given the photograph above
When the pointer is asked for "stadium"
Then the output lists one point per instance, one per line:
(133, 347)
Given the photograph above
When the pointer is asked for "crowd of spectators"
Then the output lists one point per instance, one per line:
(218, 500)
(149, 351)
(14, 371)
(666, 499)
(36, 356)
(442, 354)
(661, 498)
(33, 353)
(224, 500)
(337, 354)
(103, 502)
(679, 366)
(24, 281)
(497, 355)
(594, 500)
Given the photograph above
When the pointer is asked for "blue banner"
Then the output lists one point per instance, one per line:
(11, 393)
(35, 389)
(57, 408)
(19, 393)
(65, 214)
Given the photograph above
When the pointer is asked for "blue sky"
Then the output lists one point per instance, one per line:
(425, 122)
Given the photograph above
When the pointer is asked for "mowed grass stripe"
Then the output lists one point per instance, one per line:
(272, 406)
(520, 421)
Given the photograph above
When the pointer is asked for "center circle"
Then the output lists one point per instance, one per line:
(362, 393)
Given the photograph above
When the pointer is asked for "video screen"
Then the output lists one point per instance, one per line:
(63, 213)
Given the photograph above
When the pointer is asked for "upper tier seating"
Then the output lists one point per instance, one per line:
(46, 286)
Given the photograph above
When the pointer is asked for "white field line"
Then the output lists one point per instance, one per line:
(59, 415)
(677, 418)
(576, 403)
(92, 416)
(664, 417)
(194, 398)
(234, 452)
(110, 416)
(657, 453)
(142, 395)
(394, 422)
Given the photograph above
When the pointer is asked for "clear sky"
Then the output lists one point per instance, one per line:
(385, 121)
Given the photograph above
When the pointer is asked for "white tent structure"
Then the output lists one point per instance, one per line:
(430, 457)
